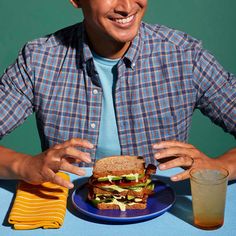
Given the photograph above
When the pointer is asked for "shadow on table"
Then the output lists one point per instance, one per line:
(182, 208)
(232, 182)
(10, 186)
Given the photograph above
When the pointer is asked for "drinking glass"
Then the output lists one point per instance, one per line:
(208, 187)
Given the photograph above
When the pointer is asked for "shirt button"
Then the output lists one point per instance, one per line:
(92, 125)
(133, 64)
(95, 91)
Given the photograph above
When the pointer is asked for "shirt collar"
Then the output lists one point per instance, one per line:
(85, 52)
(134, 50)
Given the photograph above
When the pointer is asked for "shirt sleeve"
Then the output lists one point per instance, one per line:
(16, 92)
(216, 90)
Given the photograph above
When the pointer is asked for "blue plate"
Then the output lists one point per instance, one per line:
(157, 204)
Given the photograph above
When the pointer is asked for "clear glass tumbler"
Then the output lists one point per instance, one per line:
(208, 187)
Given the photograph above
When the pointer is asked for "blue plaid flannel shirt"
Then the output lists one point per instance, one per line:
(164, 76)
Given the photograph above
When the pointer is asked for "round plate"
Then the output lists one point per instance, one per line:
(157, 204)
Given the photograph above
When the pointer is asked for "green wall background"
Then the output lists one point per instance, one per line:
(212, 21)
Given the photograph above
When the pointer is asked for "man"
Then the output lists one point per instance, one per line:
(113, 85)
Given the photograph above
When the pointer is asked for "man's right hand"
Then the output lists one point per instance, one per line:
(44, 166)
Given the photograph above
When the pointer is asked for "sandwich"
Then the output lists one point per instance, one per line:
(121, 182)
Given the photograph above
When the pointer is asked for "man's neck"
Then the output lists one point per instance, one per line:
(109, 49)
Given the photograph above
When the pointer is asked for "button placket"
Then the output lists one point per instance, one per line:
(95, 91)
(93, 125)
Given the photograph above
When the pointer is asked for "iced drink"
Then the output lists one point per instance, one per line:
(208, 187)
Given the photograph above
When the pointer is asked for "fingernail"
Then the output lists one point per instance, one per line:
(88, 160)
(70, 185)
(87, 157)
(155, 146)
(91, 145)
(81, 172)
(157, 155)
(162, 167)
(174, 178)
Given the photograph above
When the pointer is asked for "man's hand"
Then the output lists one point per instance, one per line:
(43, 167)
(172, 154)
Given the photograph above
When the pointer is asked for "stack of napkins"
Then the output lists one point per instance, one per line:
(38, 206)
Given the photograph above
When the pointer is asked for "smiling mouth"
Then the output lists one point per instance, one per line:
(123, 20)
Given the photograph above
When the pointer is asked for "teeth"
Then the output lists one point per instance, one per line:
(124, 21)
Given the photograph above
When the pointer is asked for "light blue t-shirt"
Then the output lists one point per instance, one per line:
(108, 140)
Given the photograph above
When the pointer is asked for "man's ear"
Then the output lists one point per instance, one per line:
(75, 3)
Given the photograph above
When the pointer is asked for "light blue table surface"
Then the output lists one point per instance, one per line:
(177, 221)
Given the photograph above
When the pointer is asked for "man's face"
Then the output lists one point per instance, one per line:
(113, 20)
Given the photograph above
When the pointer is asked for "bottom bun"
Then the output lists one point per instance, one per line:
(107, 206)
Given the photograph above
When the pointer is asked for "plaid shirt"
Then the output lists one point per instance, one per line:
(162, 78)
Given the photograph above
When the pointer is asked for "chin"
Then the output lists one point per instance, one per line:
(125, 37)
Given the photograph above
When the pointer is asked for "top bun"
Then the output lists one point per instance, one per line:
(118, 165)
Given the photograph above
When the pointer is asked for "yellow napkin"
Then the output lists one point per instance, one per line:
(38, 206)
